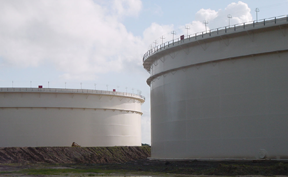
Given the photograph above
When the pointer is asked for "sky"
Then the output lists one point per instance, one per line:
(99, 44)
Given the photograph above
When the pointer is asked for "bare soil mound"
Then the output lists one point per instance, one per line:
(69, 155)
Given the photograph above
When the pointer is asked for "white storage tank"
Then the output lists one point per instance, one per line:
(58, 117)
(221, 94)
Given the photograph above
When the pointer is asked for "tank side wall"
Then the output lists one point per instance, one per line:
(226, 109)
(42, 119)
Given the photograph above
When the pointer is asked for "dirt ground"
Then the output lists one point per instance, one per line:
(117, 161)
(70, 155)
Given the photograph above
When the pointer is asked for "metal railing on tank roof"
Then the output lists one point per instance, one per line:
(61, 90)
(217, 31)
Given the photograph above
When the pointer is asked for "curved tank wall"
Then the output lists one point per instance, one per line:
(221, 96)
(58, 117)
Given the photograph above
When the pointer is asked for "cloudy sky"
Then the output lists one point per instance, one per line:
(100, 43)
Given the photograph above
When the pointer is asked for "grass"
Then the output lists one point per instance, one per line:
(86, 172)
(6, 172)
(277, 168)
(62, 171)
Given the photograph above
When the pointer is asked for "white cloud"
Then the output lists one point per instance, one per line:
(240, 13)
(206, 14)
(127, 7)
(155, 32)
(81, 38)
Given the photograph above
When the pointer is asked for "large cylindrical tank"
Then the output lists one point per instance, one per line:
(222, 94)
(58, 117)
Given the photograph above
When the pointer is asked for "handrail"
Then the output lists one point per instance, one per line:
(60, 90)
(210, 32)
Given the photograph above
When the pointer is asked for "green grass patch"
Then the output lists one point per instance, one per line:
(6, 172)
(86, 172)
(61, 171)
